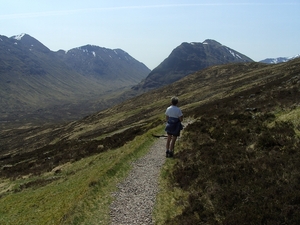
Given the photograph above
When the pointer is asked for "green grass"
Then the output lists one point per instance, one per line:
(81, 192)
(170, 200)
(293, 116)
(167, 207)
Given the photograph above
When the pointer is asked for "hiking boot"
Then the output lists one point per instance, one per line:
(167, 153)
(171, 154)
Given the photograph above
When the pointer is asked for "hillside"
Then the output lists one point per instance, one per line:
(38, 85)
(237, 163)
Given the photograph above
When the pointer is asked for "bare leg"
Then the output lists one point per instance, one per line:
(173, 143)
(168, 142)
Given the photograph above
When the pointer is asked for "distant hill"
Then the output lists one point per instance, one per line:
(279, 59)
(189, 58)
(35, 79)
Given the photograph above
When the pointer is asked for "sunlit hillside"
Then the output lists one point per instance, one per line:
(235, 164)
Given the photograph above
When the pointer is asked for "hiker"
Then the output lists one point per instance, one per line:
(174, 117)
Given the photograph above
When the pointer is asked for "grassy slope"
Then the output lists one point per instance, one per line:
(73, 193)
(238, 163)
(218, 97)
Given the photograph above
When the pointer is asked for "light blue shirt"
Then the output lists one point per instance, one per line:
(173, 111)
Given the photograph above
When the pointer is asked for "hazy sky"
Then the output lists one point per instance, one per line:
(150, 30)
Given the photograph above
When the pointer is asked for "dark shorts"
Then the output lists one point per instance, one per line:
(178, 134)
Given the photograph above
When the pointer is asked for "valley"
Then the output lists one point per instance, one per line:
(237, 162)
(39, 86)
(73, 122)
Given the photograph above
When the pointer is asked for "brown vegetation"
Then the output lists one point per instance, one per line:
(238, 162)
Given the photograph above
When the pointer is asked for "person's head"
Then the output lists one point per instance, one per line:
(174, 100)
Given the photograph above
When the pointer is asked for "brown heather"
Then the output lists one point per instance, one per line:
(238, 163)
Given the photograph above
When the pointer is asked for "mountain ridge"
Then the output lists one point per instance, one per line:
(35, 79)
(188, 58)
(88, 78)
(31, 43)
(103, 63)
(279, 59)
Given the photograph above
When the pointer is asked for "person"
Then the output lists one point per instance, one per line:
(174, 118)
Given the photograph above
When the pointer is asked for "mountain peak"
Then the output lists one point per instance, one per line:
(189, 58)
(211, 41)
(18, 37)
(31, 43)
(206, 42)
(104, 63)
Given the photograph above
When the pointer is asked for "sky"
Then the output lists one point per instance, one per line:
(150, 30)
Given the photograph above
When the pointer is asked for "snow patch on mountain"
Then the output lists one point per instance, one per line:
(19, 37)
(234, 54)
(294, 57)
(279, 59)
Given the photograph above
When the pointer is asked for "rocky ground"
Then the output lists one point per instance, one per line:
(137, 193)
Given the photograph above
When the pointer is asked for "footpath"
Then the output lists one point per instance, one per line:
(135, 199)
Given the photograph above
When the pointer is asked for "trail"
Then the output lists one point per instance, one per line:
(135, 199)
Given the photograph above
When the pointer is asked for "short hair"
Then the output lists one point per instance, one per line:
(174, 100)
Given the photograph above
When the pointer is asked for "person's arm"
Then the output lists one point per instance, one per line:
(181, 118)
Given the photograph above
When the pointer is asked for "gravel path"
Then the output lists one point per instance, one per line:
(137, 193)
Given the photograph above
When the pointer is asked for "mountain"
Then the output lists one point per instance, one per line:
(104, 64)
(279, 59)
(237, 161)
(189, 58)
(32, 77)
(37, 82)
(30, 43)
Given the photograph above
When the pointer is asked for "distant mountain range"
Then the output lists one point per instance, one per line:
(279, 59)
(36, 82)
(188, 58)
(32, 77)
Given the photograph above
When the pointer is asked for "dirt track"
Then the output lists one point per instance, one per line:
(137, 193)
